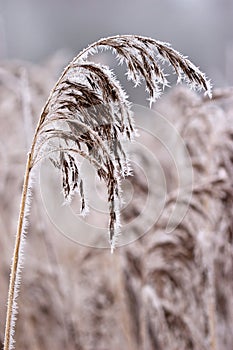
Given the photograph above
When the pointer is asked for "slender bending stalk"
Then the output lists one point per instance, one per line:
(9, 329)
(88, 114)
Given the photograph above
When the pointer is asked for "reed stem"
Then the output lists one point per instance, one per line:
(15, 259)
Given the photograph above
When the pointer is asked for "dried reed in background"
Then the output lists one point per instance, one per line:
(186, 277)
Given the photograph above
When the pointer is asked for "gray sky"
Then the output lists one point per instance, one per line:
(33, 30)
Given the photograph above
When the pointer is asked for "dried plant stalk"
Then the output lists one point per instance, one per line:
(88, 114)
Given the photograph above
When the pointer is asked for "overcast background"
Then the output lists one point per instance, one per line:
(34, 30)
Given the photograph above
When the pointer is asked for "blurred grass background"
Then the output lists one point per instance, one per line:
(157, 293)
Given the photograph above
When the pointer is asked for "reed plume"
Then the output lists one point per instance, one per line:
(88, 115)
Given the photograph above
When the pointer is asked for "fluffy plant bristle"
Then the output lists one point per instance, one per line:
(88, 113)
